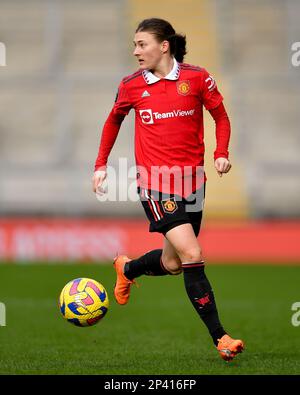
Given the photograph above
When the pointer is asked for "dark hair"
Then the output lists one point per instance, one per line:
(163, 30)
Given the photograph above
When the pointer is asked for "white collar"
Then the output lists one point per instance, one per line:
(150, 78)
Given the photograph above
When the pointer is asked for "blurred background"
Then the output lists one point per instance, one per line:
(64, 61)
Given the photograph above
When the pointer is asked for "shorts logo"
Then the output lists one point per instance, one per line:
(146, 116)
(169, 206)
(183, 87)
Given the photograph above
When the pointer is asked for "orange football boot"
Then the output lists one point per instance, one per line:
(123, 284)
(228, 348)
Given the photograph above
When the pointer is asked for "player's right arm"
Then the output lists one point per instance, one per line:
(109, 135)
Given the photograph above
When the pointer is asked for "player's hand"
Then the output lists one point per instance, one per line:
(98, 178)
(222, 165)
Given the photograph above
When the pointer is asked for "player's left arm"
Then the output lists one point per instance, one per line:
(223, 130)
(213, 102)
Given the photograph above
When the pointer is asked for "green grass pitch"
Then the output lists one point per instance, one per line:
(158, 332)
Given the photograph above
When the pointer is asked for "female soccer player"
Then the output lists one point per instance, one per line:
(168, 98)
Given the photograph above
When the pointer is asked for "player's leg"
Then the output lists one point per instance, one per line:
(197, 286)
(157, 262)
(153, 263)
(170, 258)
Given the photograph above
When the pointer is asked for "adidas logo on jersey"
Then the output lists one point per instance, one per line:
(145, 94)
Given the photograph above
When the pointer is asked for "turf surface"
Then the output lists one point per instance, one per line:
(158, 332)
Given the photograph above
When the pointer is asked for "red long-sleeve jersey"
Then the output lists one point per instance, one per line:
(169, 133)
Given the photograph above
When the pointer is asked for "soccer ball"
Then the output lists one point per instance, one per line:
(83, 302)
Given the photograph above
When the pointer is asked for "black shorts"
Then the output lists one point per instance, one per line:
(165, 212)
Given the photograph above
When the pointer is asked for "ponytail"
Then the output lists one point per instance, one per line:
(177, 46)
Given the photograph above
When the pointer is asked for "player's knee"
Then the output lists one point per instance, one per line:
(191, 254)
(173, 266)
(175, 272)
(179, 271)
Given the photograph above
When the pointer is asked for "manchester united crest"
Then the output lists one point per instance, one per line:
(183, 87)
(169, 206)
